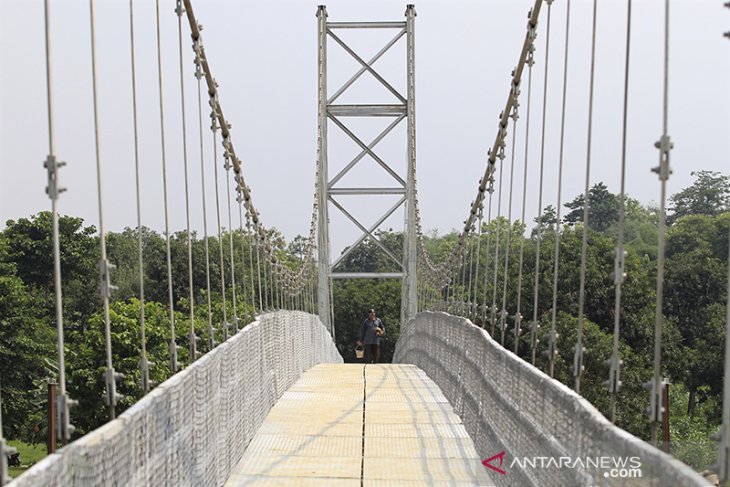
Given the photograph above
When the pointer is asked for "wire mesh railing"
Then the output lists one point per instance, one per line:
(509, 406)
(193, 428)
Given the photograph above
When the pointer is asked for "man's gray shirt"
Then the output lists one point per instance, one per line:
(367, 331)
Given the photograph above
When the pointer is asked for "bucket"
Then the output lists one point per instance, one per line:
(359, 352)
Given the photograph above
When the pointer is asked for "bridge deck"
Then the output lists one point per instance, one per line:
(354, 424)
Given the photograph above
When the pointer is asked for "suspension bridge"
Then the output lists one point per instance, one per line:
(271, 401)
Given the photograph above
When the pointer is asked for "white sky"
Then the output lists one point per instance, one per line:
(264, 56)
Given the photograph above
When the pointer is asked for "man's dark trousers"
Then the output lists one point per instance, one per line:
(372, 353)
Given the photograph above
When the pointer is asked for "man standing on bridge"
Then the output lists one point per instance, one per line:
(370, 332)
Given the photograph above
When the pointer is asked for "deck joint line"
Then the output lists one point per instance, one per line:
(364, 399)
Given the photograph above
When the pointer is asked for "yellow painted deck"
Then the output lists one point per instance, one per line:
(370, 425)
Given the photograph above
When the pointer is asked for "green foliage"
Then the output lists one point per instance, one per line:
(603, 208)
(353, 298)
(641, 229)
(30, 250)
(689, 435)
(27, 312)
(708, 195)
(86, 356)
(25, 343)
(695, 296)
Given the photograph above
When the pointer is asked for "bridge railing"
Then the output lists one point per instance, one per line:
(193, 428)
(508, 405)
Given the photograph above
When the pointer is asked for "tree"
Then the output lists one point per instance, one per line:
(369, 257)
(298, 247)
(695, 294)
(708, 195)
(603, 208)
(546, 221)
(86, 357)
(25, 341)
(30, 250)
(352, 299)
(640, 229)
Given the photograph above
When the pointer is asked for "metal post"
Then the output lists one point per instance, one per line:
(323, 239)
(410, 249)
(51, 438)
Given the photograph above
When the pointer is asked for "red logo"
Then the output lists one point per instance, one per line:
(488, 463)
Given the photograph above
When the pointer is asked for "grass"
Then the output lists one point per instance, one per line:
(29, 456)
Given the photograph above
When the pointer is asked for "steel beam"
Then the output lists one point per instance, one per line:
(324, 291)
(366, 25)
(367, 275)
(409, 303)
(366, 191)
(393, 110)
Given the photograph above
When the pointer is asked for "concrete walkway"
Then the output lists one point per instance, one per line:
(361, 425)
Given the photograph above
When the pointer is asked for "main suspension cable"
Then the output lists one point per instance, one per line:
(497, 149)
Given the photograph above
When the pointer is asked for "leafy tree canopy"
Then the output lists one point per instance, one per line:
(708, 195)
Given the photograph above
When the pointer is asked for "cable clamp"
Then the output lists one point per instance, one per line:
(655, 411)
(53, 190)
(105, 285)
(614, 373)
(619, 275)
(63, 407)
(665, 145)
(552, 344)
(110, 378)
(173, 348)
(578, 367)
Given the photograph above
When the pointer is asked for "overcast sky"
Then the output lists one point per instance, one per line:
(264, 56)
